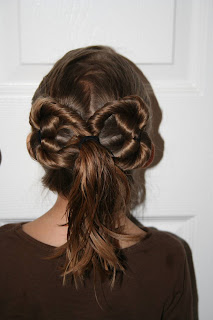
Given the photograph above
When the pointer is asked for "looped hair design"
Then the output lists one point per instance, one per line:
(57, 125)
(60, 127)
(131, 115)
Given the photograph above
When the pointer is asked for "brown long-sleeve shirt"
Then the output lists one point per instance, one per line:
(156, 286)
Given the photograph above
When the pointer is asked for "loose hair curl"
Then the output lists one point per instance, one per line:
(91, 91)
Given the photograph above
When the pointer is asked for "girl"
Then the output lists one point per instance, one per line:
(85, 258)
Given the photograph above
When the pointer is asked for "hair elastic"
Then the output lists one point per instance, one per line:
(39, 136)
(83, 139)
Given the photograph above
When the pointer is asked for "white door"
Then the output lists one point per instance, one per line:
(171, 41)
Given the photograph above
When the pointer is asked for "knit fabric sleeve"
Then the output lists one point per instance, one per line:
(180, 306)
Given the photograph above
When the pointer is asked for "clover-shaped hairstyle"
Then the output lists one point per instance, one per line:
(92, 91)
(57, 130)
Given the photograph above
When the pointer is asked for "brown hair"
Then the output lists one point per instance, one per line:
(92, 91)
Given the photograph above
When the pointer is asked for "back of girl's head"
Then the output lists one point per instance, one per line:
(91, 91)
